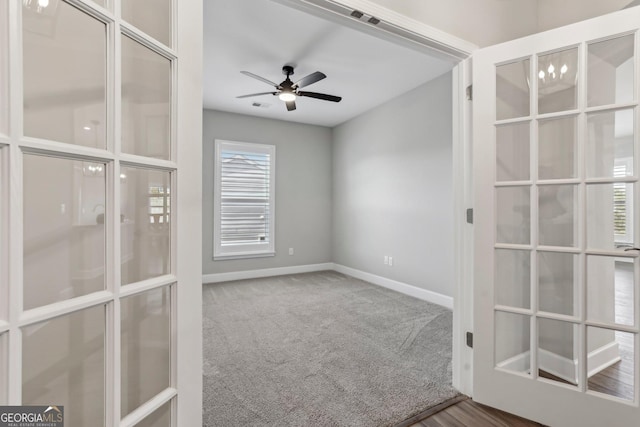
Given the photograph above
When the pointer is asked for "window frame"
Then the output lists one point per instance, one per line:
(255, 250)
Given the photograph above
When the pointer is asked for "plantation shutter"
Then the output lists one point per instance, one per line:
(245, 198)
(620, 201)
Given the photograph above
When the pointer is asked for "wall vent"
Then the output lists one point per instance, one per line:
(370, 19)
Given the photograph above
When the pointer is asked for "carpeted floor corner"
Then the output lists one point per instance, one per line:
(321, 349)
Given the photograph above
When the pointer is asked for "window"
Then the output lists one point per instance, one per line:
(243, 211)
(622, 206)
(159, 204)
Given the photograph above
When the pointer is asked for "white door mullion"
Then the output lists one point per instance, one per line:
(115, 363)
(15, 220)
(636, 216)
(534, 225)
(581, 339)
(15, 274)
(15, 71)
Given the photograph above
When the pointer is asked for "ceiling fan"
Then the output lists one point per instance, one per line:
(288, 91)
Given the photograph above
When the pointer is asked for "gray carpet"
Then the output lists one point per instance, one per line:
(321, 349)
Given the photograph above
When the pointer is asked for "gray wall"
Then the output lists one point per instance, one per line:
(393, 189)
(303, 189)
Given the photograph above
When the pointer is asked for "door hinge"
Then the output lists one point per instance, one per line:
(470, 93)
(470, 216)
(470, 339)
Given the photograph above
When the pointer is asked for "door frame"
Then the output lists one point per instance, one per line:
(405, 31)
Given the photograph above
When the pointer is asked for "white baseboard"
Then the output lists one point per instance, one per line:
(563, 367)
(518, 363)
(265, 272)
(403, 288)
(552, 363)
(603, 357)
(559, 366)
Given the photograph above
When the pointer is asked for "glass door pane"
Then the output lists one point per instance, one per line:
(558, 216)
(4, 380)
(512, 152)
(512, 89)
(610, 150)
(64, 74)
(151, 16)
(4, 68)
(146, 347)
(146, 101)
(63, 363)
(513, 278)
(513, 345)
(611, 290)
(514, 215)
(160, 418)
(145, 223)
(616, 379)
(558, 148)
(610, 218)
(558, 81)
(64, 236)
(558, 284)
(610, 71)
(557, 351)
(4, 235)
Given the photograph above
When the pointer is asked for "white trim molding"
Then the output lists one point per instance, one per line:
(563, 367)
(394, 285)
(265, 272)
(463, 231)
(390, 25)
(603, 357)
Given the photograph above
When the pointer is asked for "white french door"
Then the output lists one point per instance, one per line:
(556, 149)
(100, 187)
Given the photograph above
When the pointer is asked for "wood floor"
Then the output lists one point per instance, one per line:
(616, 380)
(469, 413)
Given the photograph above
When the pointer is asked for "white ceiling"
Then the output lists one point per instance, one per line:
(261, 36)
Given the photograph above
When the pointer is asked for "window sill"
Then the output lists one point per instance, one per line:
(224, 257)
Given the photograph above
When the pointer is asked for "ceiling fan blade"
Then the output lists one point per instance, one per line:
(256, 94)
(262, 79)
(309, 80)
(322, 96)
(291, 105)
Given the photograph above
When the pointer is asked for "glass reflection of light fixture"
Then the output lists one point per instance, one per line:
(40, 6)
(551, 73)
(93, 169)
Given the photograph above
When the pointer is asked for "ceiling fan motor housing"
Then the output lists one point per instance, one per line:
(287, 70)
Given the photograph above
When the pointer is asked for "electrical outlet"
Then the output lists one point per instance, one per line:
(386, 260)
(290, 251)
(390, 261)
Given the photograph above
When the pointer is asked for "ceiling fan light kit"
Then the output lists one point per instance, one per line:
(288, 91)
